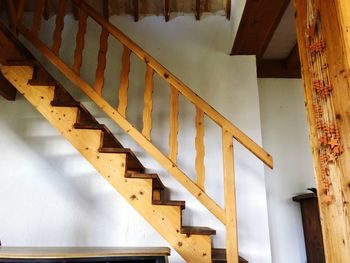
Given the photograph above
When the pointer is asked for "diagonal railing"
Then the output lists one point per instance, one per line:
(226, 215)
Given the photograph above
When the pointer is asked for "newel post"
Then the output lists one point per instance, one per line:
(324, 47)
(230, 197)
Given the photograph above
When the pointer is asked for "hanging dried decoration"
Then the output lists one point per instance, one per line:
(327, 131)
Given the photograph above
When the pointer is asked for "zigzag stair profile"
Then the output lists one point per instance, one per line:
(118, 165)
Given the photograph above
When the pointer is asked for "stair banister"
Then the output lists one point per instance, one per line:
(179, 85)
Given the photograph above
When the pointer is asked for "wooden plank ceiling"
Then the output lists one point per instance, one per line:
(258, 24)
(140, 8)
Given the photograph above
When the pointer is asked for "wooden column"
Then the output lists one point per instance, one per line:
(334, 199)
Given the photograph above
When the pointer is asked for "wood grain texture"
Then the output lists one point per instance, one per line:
(7, 90)
(228, 9)
(102, 53)
(137, 192)
(136, 10)
(38, 13)
(230, 198)
(208, 202)
(80, 41)
(200, 149)
(148, 103)
(101, 62)
(124, 82)
(79, 252)
(57, 35)
(253, 147)
(311, 228)
(11, 12)
(343, 11)
(334, 215)
(174, 124)
(198, 9)
(166, 10)
(20, 10)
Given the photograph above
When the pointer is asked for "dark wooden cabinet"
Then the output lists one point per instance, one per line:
(312, 227)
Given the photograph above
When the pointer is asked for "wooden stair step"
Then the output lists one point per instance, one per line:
(182, 204)
(132, 163)
(88, 126)
(7, 90)
(108, 140)
(24, 62)
(65, 103)
(157, 183)
(63, 99)
(219, 256)
(197, 230)
(41, 77)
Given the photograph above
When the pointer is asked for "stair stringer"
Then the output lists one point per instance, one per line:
(138, 192)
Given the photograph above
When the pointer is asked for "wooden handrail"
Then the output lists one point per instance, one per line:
(179, 85)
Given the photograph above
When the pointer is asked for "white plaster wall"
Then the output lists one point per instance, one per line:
(285, 134)
(54, 197)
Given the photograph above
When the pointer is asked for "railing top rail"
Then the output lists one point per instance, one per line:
(241, 137)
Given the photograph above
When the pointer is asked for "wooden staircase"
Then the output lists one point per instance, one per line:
(117, 164)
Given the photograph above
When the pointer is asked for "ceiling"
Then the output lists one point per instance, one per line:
(139, 8)
(267, 30)
(284, 38)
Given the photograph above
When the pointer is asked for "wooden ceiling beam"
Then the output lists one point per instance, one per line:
(198, 9)
(167, 10)
(228, 9)
(258, 24)
(136, 10)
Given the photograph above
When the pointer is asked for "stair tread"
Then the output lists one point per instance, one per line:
(197, 230)
(87, 126)
(182, 204)
(41, 77)
(58, 103)
(108, 140)
(157, 183)
(115, 150)
(219, 255)
(24, 62)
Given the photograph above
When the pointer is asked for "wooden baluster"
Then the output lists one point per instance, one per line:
(124, 82)
(230, 197)
(228, 9)
(200, 169)
(101, 64)
(174, 124)
(79, 46)
(75, 10)
(57, 35)
(46, 11)
(20, 11)
(12, 16)
(198, 9)
(136, 10)
(148, 104)
(167, 10)
(38, 13)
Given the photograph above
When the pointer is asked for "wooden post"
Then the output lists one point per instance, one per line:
(334, 198)
(230, 197)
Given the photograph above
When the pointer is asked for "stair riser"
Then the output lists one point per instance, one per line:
(138, 192)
